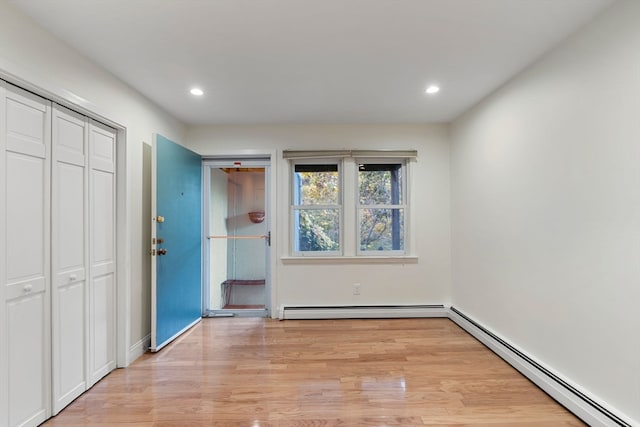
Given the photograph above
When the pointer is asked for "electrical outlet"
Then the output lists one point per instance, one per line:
(356, 288)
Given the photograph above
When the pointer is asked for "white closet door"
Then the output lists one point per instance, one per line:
(69, 234)
(25, 241)
(102, 253)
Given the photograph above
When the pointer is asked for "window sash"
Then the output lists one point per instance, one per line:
(298, 235)
(396, 235)
(397, 202)
(298, 207)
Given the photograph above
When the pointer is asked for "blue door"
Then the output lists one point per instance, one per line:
(176, 241)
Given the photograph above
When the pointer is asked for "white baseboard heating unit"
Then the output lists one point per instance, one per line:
(362, 311)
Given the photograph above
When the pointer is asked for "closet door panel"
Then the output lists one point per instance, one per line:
(4, 371)
(103, 220)
(26, 224)
(26, 124)
(69, 382)
(70, 219)
(102, 328)
(102, 289)
(26, 248)
(69, 257)
(27, 390)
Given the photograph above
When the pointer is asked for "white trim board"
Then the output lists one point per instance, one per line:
(139, 348)
(361, 311)
(571, 397)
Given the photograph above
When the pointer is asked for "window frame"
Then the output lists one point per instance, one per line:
(403, 206)
(349, 204)
(298, 207)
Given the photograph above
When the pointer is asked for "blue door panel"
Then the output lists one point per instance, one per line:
(179, 271)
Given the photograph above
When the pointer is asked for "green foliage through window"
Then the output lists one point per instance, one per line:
(317, 214)
(378, 211)
(380, 214)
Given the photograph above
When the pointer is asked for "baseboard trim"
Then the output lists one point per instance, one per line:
(362, 311)
(139, 348)
(575, 400)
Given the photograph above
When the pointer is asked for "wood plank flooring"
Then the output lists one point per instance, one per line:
(262, 372)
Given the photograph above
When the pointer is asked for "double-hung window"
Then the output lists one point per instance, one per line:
(349, 203)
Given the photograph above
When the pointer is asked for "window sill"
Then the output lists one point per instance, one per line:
(403, 259)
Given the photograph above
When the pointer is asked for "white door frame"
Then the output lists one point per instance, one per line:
(248, 159)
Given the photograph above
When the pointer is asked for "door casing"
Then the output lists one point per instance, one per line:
(244, 161)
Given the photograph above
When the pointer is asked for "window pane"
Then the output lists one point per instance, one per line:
(316, 185)
(316, 229)
(380, 184)
(381, 229)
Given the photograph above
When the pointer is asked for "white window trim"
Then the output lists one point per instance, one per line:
(347, 161)
(404, 206)
(339, 206)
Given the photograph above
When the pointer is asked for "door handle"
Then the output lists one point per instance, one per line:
(162, 251)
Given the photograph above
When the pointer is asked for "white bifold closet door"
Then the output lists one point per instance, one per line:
(70, 243)
(83, 264)
(102, 252)
(25, 256)
(57, 256)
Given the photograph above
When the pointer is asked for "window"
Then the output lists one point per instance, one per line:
(316, 208)
(349, 203)
(380, 207)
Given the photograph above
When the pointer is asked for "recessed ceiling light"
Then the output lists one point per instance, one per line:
(432, 89)
(196, 91)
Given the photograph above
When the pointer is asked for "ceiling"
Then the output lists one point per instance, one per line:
(313, 61)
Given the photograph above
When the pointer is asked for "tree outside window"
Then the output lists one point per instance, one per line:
(372, 211)
(380, 207)
(316, 208)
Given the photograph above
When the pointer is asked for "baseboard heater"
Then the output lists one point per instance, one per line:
(566, 394)
(362, 311)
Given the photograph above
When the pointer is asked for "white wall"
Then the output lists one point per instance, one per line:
(426, 281)
(546, 210)
(30, 54)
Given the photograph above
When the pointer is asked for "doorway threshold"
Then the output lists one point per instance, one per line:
(263, 312)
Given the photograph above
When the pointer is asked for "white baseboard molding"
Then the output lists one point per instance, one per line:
(362, 311)
(575, 400)
(139, 348)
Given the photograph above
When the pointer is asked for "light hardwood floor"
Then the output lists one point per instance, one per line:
(262, 372)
